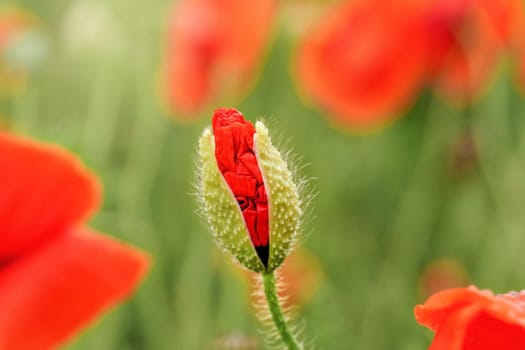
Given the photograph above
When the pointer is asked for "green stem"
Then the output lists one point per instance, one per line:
(270, 291)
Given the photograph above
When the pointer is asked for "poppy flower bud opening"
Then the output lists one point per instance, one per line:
(247, 193)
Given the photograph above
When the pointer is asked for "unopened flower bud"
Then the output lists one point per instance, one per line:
(247, 192)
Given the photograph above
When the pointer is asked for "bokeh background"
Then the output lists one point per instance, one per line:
(430, 200)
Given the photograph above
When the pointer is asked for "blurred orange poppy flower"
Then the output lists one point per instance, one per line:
(468, 319)
(14, 22)
(302, 276)
(477, 35)
(213, 50)
(56, 275)
(363, 61)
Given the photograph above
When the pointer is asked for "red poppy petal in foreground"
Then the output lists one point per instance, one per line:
(470, 319)
(52, 292)
(357, 67)
(44, 191)
(438, 306)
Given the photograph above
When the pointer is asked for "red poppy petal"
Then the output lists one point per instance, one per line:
(472, 328)
(509, 307)
(451, 334)
(489, 332)
(44, 191)
(234, 151)
(440, 305)
(55, 290)
(470, 319)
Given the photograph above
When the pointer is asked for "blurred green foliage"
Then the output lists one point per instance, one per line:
(388, 203)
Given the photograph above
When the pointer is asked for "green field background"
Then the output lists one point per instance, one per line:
(388, 203)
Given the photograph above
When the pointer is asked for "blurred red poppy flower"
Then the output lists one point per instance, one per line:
(302, 276)
(213, 50)
(365, 73)
(357, 66)
(470, 319)
(467, 39)
(516, 33)
(55, 274)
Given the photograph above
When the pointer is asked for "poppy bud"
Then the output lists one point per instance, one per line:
(247, 192)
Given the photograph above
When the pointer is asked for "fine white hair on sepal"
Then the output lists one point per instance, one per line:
(289, 195)
(221, 210)
(297, 166)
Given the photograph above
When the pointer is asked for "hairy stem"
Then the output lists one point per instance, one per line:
(270, 291)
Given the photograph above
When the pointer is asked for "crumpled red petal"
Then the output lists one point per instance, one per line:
(49, 294)
(470, 319)
(234, 151)
(44, 191)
